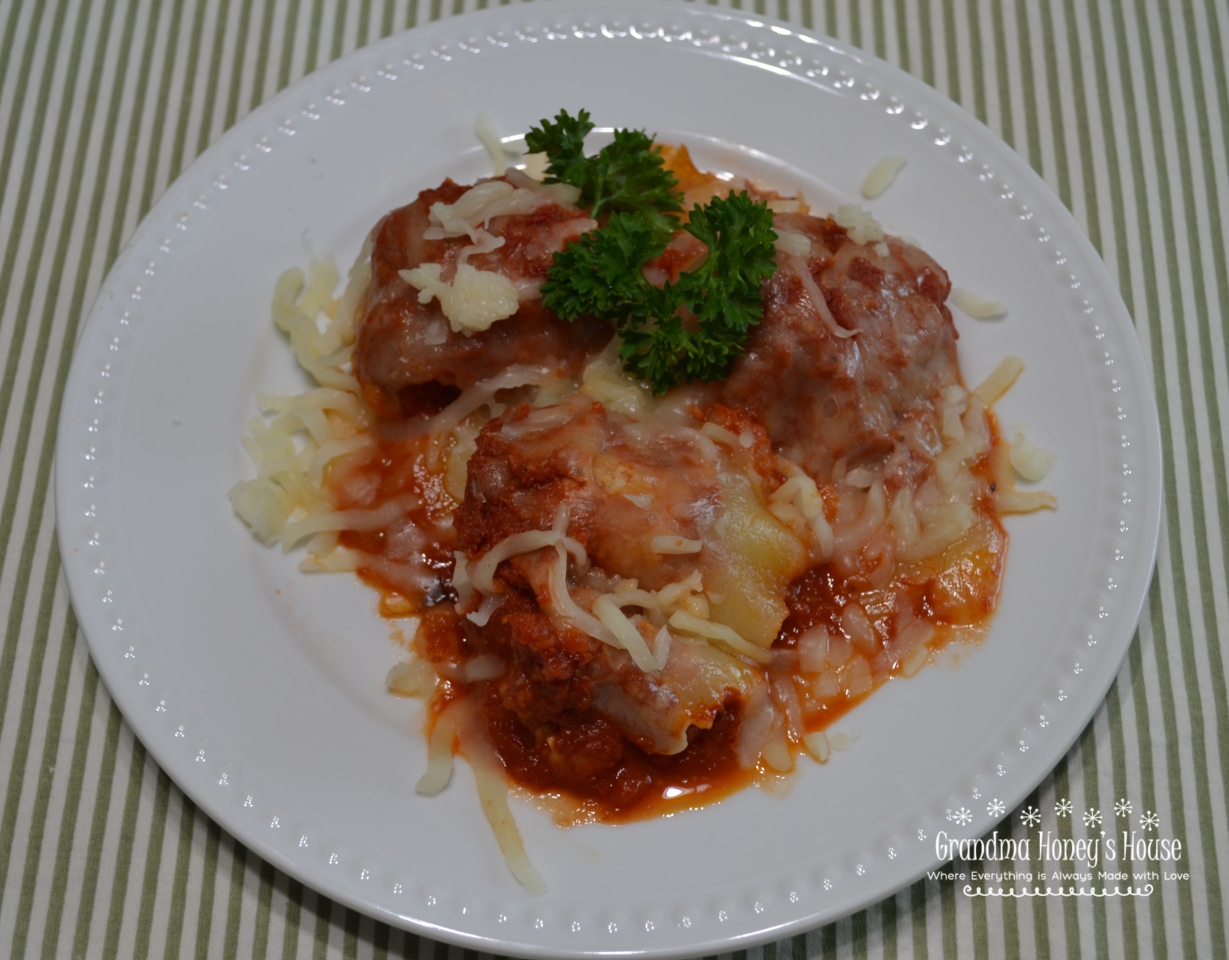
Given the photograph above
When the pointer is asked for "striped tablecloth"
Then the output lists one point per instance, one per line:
(1123, 108)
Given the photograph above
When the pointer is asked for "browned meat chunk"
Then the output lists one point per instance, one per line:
(622, 486)
(655, 502)
(571, 712)
(407, 357)
(825, 397)
(557, 679)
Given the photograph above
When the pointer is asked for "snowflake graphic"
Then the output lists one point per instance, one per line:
(963, 816)
(995, 808)
(1092, 817)
(1122, 808)
(1149, 820)
(1063, 808)
(1031, 816)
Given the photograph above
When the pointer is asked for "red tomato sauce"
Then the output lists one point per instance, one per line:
(586, 770)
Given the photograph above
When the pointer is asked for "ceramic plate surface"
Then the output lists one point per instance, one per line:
(260, 689)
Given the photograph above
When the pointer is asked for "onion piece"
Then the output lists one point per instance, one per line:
(759, 717)
(785, 696)
(485, 667)
(776, 751)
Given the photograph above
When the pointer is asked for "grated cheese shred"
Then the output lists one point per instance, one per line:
(882, 176)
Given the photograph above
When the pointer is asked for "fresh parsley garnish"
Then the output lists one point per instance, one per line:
(692, 329)
(626, 176)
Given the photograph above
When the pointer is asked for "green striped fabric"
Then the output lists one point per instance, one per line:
(1122, 106)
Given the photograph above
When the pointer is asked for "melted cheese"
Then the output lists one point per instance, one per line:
(472, 302)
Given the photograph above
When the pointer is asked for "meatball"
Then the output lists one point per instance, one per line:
(826, 397)
(409, 360)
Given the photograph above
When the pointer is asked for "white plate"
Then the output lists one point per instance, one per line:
(260, 690)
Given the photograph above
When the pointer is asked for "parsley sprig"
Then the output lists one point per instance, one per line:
(692, 329)
(601, 274)
(626, 176)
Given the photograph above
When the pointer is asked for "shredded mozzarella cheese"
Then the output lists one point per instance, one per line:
(483, 572)
(1024, 501)
(726, 636)
(439, 754)
(977, 306)
(999, 381)
(793, 244)
(801, 493)
(817, 746)
(568, 609)
(472, 302)
(492, 784)
(675, 545)
(414, 679)
(858, 222)
(536, 165)
(803, 272)
(608, 612)
(484, 129)
(479, 205)
(1029, 460)
(882, 176)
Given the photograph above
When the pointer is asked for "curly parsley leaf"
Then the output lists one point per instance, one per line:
(563, 142)
(626, 176)
(741, 243)
(693, 329)
(600, 274)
